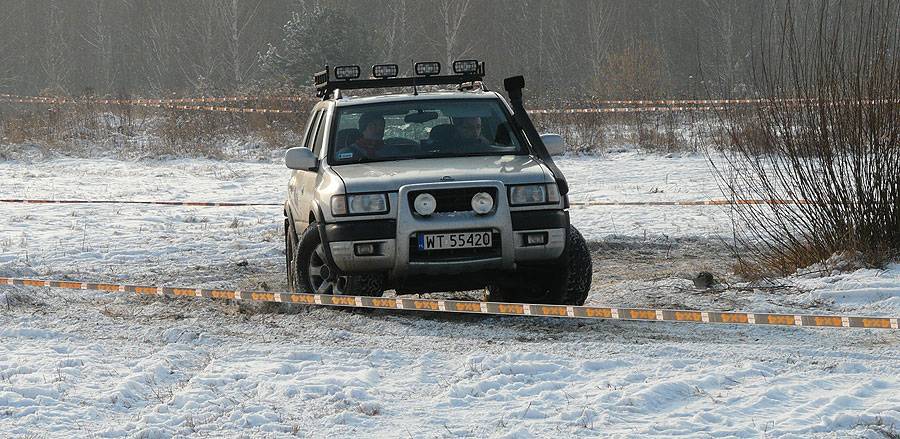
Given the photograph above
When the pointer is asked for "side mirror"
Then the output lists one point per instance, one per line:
(554, 143)
(300, 158)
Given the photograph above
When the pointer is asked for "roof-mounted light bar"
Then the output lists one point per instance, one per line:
(465, 66)
(346, 72)
(428, 68)
(383, 71)
(385, 76)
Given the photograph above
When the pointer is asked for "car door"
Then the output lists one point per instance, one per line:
(298, 193)
(309, 179)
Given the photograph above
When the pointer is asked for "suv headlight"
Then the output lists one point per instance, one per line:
(359, 204)
(531, 194)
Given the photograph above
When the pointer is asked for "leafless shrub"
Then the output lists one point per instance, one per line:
(583, 132)
(834, 155)
(660, 133)
(88, 129)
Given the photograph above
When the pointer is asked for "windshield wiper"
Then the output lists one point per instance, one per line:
(472, 154)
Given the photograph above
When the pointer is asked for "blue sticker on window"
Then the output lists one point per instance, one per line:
(345, 155)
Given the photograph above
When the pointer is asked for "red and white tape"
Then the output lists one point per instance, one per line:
(150, 103)
(141, 101)
(631, 106)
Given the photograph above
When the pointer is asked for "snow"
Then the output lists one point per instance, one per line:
(875, 291)
(82, 363)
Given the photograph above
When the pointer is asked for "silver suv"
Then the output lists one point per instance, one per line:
(429, 191)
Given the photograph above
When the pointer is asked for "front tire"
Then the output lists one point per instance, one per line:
(565, 281)
(290, 243)
(312, 272)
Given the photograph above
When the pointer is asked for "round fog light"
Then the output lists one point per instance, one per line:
(482, 203)
(425, 204)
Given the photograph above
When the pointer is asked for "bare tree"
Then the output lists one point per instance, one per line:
(236, 19)
(7, 72)
(99, 36)
(724, 16)
(397, 24)
(144, 46)
(200, 65)
(452, 14)
(600, 17)
(54, 62)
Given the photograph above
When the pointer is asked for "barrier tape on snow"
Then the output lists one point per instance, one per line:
(670, 102)
(625, 110)
(488, 308)
(217, 109)
(140, 101)
(159, 203)
(727, 104)
(573, 203)
(636, 105)
(693, 101)
(685, 203)
(169, 104)
(156, 105)
(658, 106)
(219, 99)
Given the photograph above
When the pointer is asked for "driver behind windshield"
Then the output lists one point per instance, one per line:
(370, 145)
(371, 128)
(421, 130)
(468, 131)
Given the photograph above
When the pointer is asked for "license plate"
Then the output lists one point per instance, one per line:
(446, 241)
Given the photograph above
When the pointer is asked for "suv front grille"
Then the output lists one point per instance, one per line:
(452, 200)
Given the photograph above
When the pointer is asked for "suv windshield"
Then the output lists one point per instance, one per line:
(422, 129)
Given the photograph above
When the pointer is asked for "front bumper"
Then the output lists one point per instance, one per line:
(397, 255)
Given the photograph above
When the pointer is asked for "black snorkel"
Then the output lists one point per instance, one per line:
(514, 86)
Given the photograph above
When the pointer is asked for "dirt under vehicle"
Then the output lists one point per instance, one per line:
(445, 190)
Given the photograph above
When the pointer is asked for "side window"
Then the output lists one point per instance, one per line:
(311, 129)
(320, 134)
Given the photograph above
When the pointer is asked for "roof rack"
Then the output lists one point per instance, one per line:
(466, 71)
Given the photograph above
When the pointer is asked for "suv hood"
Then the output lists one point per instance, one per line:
(389, 176)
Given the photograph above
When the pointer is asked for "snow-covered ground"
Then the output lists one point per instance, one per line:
(44, 238)
(75, 363)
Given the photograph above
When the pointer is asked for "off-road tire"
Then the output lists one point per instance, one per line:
(290, 243)
(565, 281)
(357, 285)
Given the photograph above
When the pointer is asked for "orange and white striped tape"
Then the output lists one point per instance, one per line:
(151, 103)
(721, 105)
(686, 101)
(200, 100)
(141, 101)
(218, 108)
(487, 308)
(147, 202)
(670, 102)
(573, 203)
(686, 203)
(634, 106)
(624, 110)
